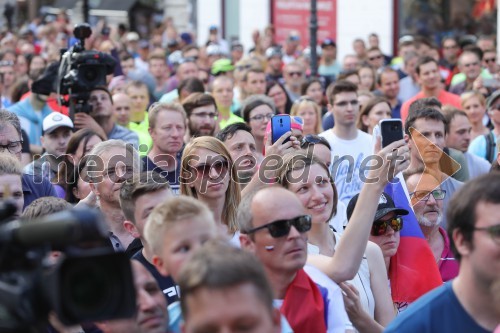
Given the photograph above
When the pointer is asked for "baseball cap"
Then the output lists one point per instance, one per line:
(328, 42)
(186, 38)
(385, 206)
(222, 66)
(214, 49)
(273, 52)
(55, 120)
(493, 97)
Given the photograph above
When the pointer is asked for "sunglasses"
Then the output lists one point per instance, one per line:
(282, 228)
(375, 57)
(379, 227)
(490, 60)
(220, 168)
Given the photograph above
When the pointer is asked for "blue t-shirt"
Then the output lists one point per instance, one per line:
(437, 311)
(35, 187)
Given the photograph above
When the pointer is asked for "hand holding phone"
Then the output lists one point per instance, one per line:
(391, 130)
(280, 124)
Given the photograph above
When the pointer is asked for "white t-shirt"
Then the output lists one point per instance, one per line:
(348, 157)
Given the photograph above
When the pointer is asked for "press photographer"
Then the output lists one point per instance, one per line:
(82, 75)
(87, 281)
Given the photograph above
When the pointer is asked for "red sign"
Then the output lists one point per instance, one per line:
(294, 15)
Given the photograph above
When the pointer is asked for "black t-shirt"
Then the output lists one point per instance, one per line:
(167, 285)
(133, 247)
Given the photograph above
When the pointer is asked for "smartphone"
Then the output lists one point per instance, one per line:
(391, 130)
(280, 124)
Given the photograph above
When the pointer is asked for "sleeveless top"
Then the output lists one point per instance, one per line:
(361, 281)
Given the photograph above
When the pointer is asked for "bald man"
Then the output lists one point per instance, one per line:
(121, 110)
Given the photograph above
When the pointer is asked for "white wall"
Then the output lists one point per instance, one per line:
(208, 12)
(359, 18)
(254, 14)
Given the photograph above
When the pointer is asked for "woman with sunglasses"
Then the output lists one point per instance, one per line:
(310, 180)
(310, 112)
(209, 174)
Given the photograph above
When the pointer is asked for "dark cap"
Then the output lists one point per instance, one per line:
(491, 100)
(385, 206)
(328, 42)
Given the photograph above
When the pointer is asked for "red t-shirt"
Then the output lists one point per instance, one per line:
(444, 97)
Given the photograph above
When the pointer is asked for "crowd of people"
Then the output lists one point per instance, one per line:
(228, 230)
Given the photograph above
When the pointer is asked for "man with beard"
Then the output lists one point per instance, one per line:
(427, 200)
(202, 113)
(240, 143)
(101, 119)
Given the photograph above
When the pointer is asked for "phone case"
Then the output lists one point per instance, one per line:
(391, 130)
(280, 124)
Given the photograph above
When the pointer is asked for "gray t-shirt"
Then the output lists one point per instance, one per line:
(121, 133)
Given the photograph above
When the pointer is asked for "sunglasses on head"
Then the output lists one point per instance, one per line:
(379, 227)
(220, 167)
(282, 228)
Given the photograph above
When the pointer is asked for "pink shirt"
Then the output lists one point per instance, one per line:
(448, 265)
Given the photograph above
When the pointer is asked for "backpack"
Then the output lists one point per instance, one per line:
(490, 146)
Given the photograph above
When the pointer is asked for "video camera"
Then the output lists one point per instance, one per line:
(81, 71)
(89, 283)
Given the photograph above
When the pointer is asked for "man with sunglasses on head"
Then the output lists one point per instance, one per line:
(274, 227)
(427, 200)
(466, 304)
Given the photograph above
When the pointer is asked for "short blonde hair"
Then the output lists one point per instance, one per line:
(305, 101)
(157, 107)
(169, 213)
(465, 97)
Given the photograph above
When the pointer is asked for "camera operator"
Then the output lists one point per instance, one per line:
(11, 143)
(101, 119)
(10, 182)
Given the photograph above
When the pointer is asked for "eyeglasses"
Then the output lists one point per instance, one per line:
(490, 60)
(261, 117)
(375, 57)
(202, 115)
(220, 167)
(295, 73)
(282, 228)
(354, 102)
(493, 231)
(450, 47)
(13, 147)
(243, 67)
(379, 227)
(425, 195)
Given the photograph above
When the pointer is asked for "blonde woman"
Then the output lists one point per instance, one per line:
(209, 174)
(474, 104)
(306, 108)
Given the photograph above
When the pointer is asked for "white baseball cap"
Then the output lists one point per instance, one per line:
(54, 121)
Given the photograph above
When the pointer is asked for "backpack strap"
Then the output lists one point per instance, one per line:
(490, 146)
